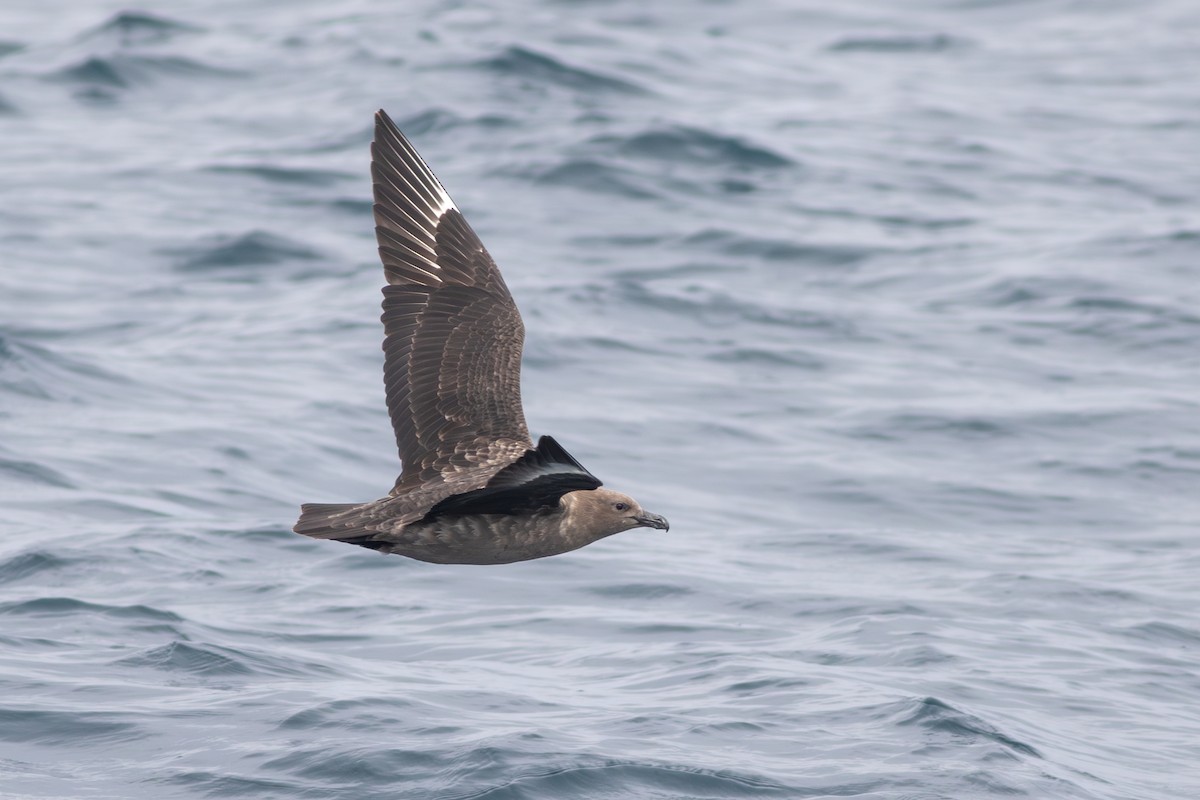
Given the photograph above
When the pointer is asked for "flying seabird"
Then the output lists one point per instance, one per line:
(473, 488)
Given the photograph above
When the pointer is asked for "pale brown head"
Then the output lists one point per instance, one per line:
(603, 512)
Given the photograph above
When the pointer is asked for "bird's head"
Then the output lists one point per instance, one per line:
(603, 512)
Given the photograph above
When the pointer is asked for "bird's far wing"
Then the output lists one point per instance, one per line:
(453, 336)
(536, 480)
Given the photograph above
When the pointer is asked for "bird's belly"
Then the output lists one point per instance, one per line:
(481, 539)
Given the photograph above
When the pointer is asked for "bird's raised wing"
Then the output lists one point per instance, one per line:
(453, 335)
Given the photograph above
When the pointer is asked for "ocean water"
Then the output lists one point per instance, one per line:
(891, 308)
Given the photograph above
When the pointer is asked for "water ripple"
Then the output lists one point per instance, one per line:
(284, 175)
(781, 249)
(34, 473)
(255, 248)
(133, 28)
(949, 724)
(700, 147)
(124, 71)
(42, 373)
(899, 43)
(22, 566)
(65, 727)
(535, 67)
(70, 606)
(209, 660)
(595, 176)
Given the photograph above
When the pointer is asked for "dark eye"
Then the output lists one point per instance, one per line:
(621, 506)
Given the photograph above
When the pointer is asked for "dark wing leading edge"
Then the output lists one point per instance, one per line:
(453, 335)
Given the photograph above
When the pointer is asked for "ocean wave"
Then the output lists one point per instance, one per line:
(496, 771)
(768, 356)
(951, 425)
(125, 71)
(438, 120)
(70, 606)
(639, 591)
(273, 173)
(595, 176)
(135, 28)
(633, 779)
(767, 249)
(211, 660)
(540, 69)
(252, 249)
(720, 308)
(899, 43)
(948, 724)
(32, 472)
(184, 657)
(699, 147)
(368, 714)
(1165, 634)
(214, 784)
(74, 728)
(41, 373)
(35, 562)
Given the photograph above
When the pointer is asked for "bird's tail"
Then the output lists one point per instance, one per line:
(330, 521)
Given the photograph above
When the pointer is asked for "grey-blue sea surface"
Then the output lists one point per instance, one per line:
(891, 308)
